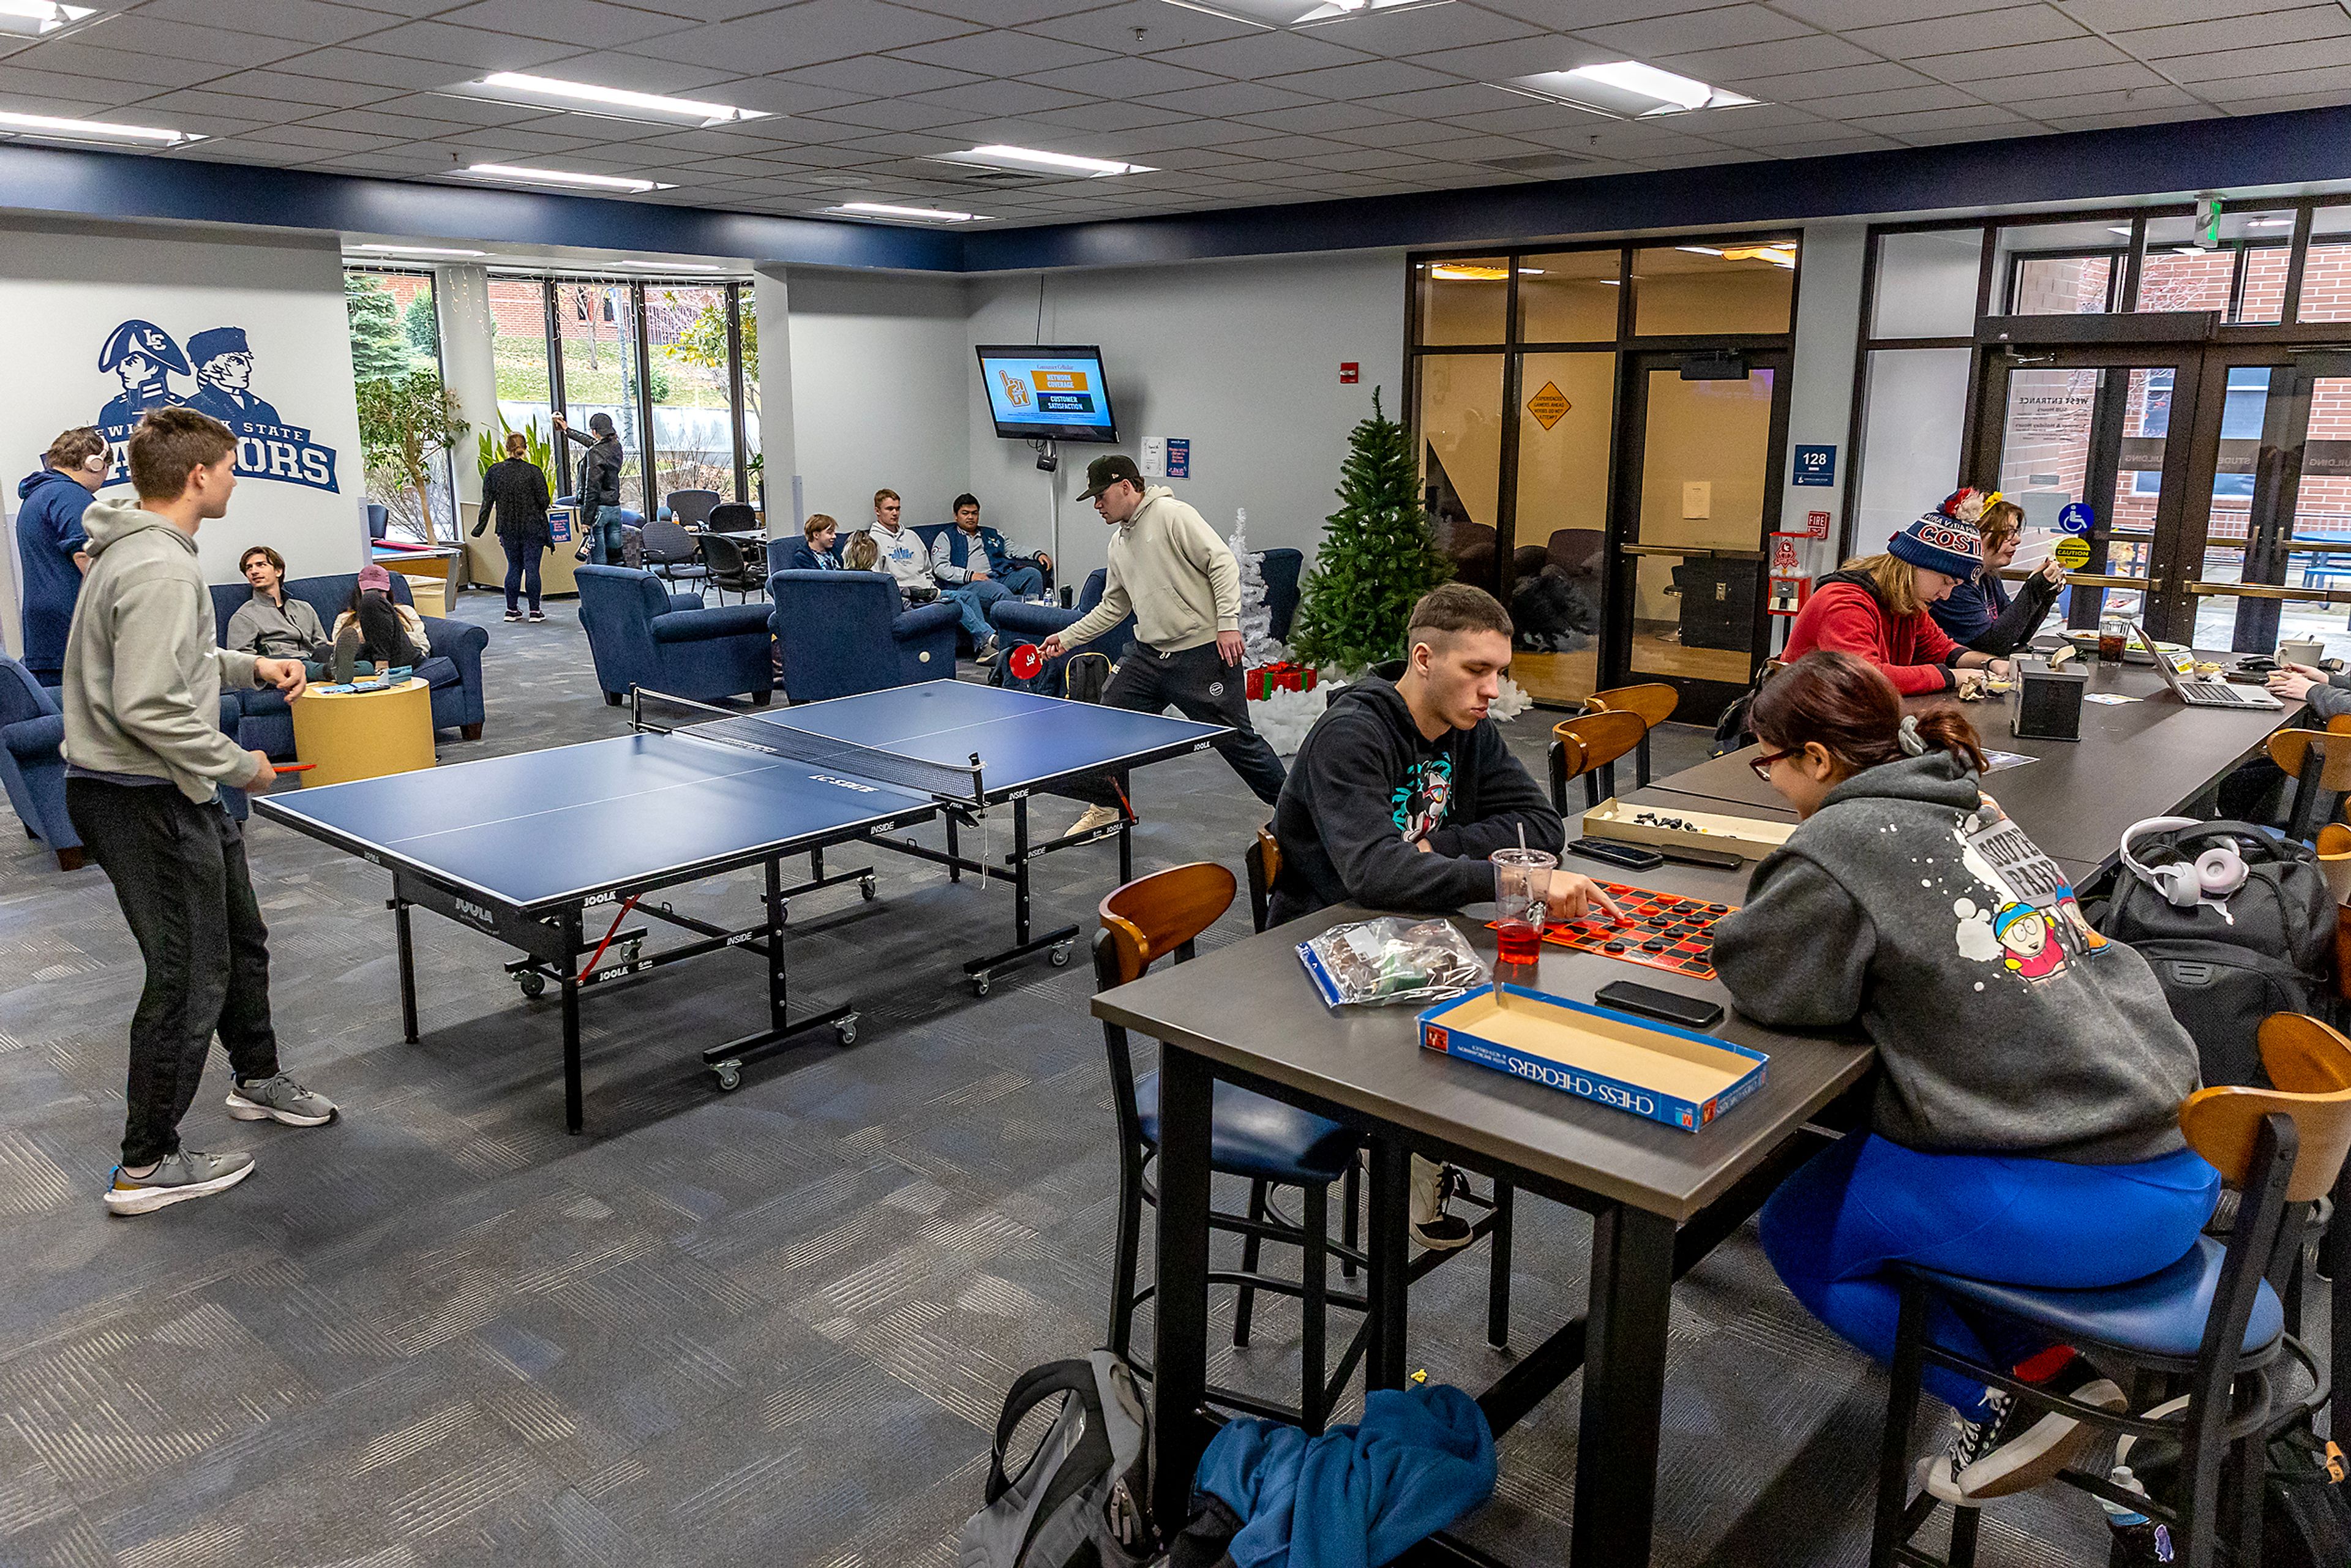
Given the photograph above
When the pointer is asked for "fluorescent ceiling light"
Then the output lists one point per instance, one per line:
(675, 267)
(1699, 249)
(2123, 230)
(910, 215)
(1467, 272)
(566, 177)
(1297, 13)
(37, 18)
(2190, 250)
(415, 250)
(2269, 223)
(1033, 162)
(1628, 89)
(615, 97)
(93, 129)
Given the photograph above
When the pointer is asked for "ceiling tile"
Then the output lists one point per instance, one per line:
(1728, 67)
(315, 141)
(815, 31)
(375, 122)
(1905, 100)
(2233, 90)
(2118, 16)
(589, 24)
(1321, 116)
(1897, 125)
(1843, 16)
(1446, 102)
(879, 75)
(1004, 13)
(1112, 115)
(1226, 100)
(1830, 85)
(1369, 79)
(296, 21)
(2304, 22)
(1985, 68)
(480, 111)
(74, 59)
(1124, 77)
(463, 46)
(1003, 52)
(1408, 34)
(1720, 27)
(2043, 93)
(1519, 57)
(1980, 30)
(1264, 54)
(282, 87)
(2328, 98)
(1013, 97)
(1164, 27)
(891, 114)
(2116, 120)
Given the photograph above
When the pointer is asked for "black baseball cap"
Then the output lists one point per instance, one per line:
(1105, 472)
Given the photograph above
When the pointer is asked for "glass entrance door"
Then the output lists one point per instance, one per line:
(1701, 464)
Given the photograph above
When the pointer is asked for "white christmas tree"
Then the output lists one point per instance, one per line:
(1258, 644)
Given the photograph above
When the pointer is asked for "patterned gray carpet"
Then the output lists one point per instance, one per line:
(768, 1327)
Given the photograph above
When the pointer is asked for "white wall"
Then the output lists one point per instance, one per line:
(1820, 402)
(1241, 357)
(64, 288)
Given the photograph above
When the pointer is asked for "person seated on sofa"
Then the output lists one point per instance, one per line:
(815, 552)
(904, 557)
(375, 629)
(273, 623)
(970, 558)
(863, 554)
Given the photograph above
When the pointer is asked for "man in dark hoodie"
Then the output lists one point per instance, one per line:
(597, 497)
(50, 543)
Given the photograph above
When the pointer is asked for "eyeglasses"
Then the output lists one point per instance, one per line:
(1762, 765)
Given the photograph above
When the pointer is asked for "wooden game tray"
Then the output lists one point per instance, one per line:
(1653, 1070)
(1751, 838)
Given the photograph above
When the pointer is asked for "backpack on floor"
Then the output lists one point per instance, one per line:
(2305, 1512)
(2223, 970)
(1083, 1497)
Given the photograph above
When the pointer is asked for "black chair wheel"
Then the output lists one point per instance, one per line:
(533, 983)
(729, 1076)
(1059, 956)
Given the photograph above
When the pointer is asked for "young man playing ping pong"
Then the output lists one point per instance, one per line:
(1402, 790)
(145, 762)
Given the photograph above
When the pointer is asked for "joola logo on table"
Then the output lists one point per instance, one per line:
(144, 357)
(473, 911)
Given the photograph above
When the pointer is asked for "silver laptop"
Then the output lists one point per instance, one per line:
(2203, 694)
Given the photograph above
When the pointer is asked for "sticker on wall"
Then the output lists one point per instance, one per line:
(2071, 553)
(142, 358)
(2076, 517)
(1549, 406)
(1815, 466)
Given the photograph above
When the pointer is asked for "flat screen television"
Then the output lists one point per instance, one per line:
(1048, 391)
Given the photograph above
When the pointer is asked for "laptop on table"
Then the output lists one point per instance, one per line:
(2203, 694)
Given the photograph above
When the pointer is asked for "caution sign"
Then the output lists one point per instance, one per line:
(2072, 553)
(1549, 406)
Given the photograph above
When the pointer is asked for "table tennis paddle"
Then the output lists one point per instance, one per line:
(1024, 662)
(292, 767)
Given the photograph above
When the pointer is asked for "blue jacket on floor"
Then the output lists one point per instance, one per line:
(1357, 1496)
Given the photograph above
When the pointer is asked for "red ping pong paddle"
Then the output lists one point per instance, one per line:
(1025, 661)
(292, 767)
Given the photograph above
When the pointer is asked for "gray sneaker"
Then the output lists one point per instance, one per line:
(175, 1179)
(279, 1099)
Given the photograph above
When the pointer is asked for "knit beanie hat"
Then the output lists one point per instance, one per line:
(1941, 544)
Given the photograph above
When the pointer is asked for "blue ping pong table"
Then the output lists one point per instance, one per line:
(664, 806)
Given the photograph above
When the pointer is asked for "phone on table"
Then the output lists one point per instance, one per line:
(1690, 1012)
(1632, 857)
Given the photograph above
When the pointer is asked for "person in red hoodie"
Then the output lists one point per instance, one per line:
(1876, 607)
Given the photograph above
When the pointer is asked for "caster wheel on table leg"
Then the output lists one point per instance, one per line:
(866, 889)
(979, 984)
(846, 1030)
(632, 951)
(1059, 956)
(783, 910)
(533, 983)
(729, 1076)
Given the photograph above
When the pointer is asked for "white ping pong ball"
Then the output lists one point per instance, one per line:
(924, 657)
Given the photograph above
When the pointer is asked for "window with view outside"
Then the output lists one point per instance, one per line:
(519, 348)
(598, 324)
(396, 336)
(754, 487)
(692, 391)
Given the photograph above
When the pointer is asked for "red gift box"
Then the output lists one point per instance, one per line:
(1279, 677)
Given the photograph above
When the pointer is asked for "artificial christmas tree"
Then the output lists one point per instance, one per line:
(1378, 556)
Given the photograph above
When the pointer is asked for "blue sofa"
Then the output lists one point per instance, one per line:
(33, 764)
(929, 534)
(642, 635)
(453, 672)
(1017, 623)
(847, 631)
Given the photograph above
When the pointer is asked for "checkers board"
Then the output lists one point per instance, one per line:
(1660, 930)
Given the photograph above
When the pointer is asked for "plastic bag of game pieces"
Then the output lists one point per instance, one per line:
(1392, 962)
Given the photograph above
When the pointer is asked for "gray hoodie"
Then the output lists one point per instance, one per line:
(143, 671)
(2004, 1025)
(1171, 570)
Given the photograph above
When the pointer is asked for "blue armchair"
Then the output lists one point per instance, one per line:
(1017, 623)
(644, 635)
(847, 631)
(453, 672)
(33, 764)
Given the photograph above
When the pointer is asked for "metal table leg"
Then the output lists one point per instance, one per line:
(1623, 1386)
(572, 1116)
(407, 970)
(1180, 1357)
(1391, 1262)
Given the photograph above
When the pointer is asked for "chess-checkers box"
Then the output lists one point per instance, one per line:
(1652, 1070)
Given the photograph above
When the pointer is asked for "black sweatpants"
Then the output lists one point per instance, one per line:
(1204, 689)
(179, 872)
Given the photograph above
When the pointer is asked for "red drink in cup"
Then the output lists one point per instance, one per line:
(1522, 892)
(1520, 941)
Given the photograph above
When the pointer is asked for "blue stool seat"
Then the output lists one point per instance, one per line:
(2162, 1314)
(1261, 1138)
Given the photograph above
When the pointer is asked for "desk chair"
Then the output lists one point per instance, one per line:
(1654, 701)
(1271, 1143)
(671, 552)
(691, 507)
(1587, 748)
(2213, 1320)
(2319, 764)
(732, 517)
(731, 567)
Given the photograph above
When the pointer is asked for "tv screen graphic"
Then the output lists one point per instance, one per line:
(1047, 392)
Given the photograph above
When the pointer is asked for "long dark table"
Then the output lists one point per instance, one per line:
(1660, 1198)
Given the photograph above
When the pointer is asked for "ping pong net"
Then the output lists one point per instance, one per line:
(658, 713)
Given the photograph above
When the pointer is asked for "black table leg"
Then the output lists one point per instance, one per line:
(407, 969)
(1391, 1263)
(572, 1116)
(1624, 1387)
(1180, 1357)
(1125, 830)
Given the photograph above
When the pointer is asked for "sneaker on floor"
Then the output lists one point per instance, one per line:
(1095, 819)
(2014, 1446)
(514, 614)
(279, 1099)
(987, 654)
(536, 617)
(1432, 1225)
(176, 1178)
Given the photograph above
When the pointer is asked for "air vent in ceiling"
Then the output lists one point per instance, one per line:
(1536, 163)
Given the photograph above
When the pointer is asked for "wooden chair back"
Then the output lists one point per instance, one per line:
(1152, 916)
(1583, 747)
(2292, 750)
(2223, 1125)
(1654, 701)
(1264, 861)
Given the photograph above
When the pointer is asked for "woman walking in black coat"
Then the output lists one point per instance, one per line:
(515, 493)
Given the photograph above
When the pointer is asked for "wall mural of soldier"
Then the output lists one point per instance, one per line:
(220, 360)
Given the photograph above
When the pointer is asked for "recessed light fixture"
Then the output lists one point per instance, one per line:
(566, 177)
(1297, 13)
(92, 129)
(415, 250)
(1626, 89)
(1029, 160)
(533, 88)
(38, 19)
(1467, 272)
(907, 214)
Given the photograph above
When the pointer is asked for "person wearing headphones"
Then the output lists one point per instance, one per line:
(50, 543)
(2025, 1127)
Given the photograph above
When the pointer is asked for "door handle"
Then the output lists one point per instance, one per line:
(2267, 591)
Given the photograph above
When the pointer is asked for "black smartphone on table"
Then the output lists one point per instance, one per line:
(1690, 1012)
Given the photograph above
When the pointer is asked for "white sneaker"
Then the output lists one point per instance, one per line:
(1096, 819)
(1432, 1227)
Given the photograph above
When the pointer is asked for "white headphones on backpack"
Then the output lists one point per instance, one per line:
(2214, 874)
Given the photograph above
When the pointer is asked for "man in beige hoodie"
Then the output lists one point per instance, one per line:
(1179, 580)
(145, 762)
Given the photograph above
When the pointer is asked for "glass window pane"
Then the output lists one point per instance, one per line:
(394, 333)
(1462, 302)
(1564, 420)
(2326, 272)
(599, 376)
(754, 484)
(692, 379)
(1926, 283)
(1704, 470)
(1915, 407)
(2183, 272)
(518, 347)
(1460, 428)
(2059, 269)
(1570, 297)
(1697, 288)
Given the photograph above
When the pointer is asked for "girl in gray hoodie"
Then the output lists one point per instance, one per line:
(2029, 1072)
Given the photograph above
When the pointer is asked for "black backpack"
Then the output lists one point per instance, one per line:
(2271, 951)
(1083, 1497)
(2306, 1515)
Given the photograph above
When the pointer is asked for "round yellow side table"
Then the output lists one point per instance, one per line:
(364, 735)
